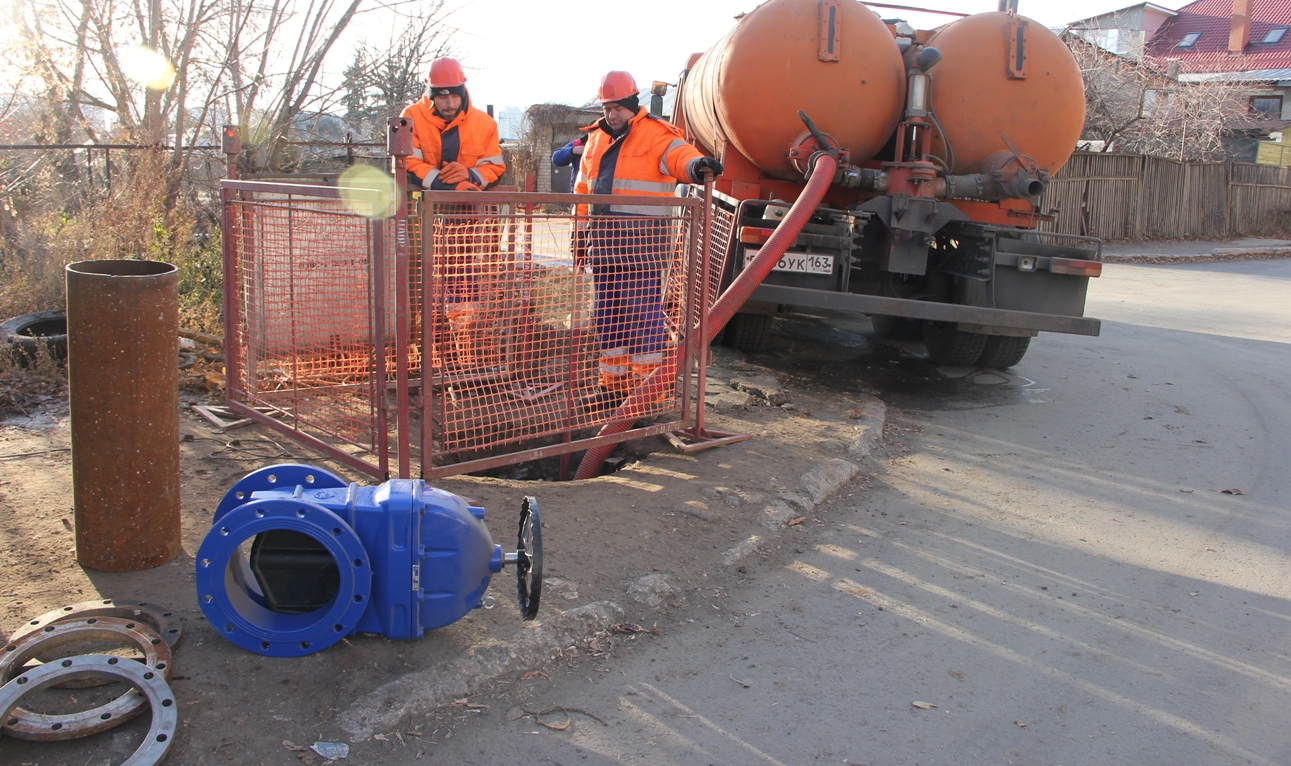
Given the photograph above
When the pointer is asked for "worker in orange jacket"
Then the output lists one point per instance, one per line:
(631, 152)
(456, 148)
(455, 145)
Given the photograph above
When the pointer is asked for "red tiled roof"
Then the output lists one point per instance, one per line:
(1213, 19)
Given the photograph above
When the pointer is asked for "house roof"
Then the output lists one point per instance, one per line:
(1121, 12)
(1213, 20)
(1251, 75)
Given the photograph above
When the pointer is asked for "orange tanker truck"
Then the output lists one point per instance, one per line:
(941, 144)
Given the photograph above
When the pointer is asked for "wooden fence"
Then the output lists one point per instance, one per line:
(1131, 196)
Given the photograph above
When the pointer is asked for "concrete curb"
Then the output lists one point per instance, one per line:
(422, 691)
(1216, 255)
(821, 481)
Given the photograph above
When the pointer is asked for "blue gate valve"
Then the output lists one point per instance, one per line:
(327, 558)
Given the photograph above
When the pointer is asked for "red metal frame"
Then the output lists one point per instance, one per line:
(312, 382)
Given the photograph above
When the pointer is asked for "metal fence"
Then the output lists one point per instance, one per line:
(469, 331)
(1130, 196)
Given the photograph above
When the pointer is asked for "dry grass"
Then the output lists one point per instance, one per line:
(141, 217)
(24, 389)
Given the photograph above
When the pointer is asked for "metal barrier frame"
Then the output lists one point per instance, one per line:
(697, 209)
(390, 238)
(235, 194)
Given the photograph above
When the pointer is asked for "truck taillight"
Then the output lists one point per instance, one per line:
(1075, 267)
(755, 235)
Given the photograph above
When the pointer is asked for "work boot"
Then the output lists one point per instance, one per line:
(615, 371)
(643, 366)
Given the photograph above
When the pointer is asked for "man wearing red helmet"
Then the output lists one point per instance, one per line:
(631, 152)
(455, 146)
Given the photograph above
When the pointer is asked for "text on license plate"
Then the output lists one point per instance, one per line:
(798, 263)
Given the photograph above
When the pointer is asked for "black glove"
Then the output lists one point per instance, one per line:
(702, 164)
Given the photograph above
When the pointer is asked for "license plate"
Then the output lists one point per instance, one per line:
(798, 263)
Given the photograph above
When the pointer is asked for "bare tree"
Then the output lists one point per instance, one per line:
(1141, 106)
(259, 63)
(384, 78)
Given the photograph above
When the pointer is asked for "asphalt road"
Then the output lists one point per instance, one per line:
(1051, 575)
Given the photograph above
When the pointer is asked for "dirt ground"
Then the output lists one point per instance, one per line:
(664, 513)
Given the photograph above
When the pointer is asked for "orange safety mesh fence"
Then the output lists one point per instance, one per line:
(524, 329)
(304, 311)
(547, 323)
(717, 248)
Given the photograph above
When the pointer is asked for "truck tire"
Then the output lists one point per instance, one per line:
(1003, 351)
(22, 336)
(895, 328)
(950, 346)
(747, 332)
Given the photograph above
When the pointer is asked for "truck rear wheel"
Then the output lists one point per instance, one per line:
(747, 332)
(895, 328)
(1003, 351)
(951, 346)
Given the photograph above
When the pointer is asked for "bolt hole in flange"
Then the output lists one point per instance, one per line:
(297, 583)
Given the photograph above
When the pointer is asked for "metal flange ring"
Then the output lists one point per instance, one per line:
(250, 624)
(280, 476)
(165, 717)
(165, 622)
(25, 724)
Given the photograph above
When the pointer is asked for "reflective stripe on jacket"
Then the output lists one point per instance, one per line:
(471, 139)
(649, 159)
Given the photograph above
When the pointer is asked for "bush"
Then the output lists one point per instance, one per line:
(143, 216)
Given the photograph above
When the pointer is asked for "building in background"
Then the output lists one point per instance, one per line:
(510, 123)
(1124, 32)
(1241, 43)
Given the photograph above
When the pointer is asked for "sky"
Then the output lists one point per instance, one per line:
(519, 53)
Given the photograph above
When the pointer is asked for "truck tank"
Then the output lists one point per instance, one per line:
(833, 59)
(1004, 74)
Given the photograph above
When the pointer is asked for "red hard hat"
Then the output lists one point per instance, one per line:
(616, 85)
(446, 73)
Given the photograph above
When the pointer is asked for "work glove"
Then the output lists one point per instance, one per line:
(578, 146)
(466, 186)
(453, 173)
(698, 167)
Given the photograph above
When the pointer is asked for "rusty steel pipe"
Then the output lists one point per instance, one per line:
(123, 379)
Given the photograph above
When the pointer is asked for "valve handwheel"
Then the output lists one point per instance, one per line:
(529, 558)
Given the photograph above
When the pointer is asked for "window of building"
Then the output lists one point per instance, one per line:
(1149, 103)
(1268, 107)
(1273, 36)
(1189, 40)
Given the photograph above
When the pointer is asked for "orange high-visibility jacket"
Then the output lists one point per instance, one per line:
(649, 159)
(471, 139)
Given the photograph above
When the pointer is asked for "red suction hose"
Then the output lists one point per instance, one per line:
(784, 236)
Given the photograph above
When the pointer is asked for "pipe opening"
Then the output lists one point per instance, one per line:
(281, 572)
(295, 573)
(122, 268)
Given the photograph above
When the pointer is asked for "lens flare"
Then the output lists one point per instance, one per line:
(143, 64)
(368, 191)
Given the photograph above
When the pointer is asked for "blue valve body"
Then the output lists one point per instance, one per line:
(429, 558)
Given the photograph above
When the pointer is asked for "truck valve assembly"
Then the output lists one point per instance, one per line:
(297, 559)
